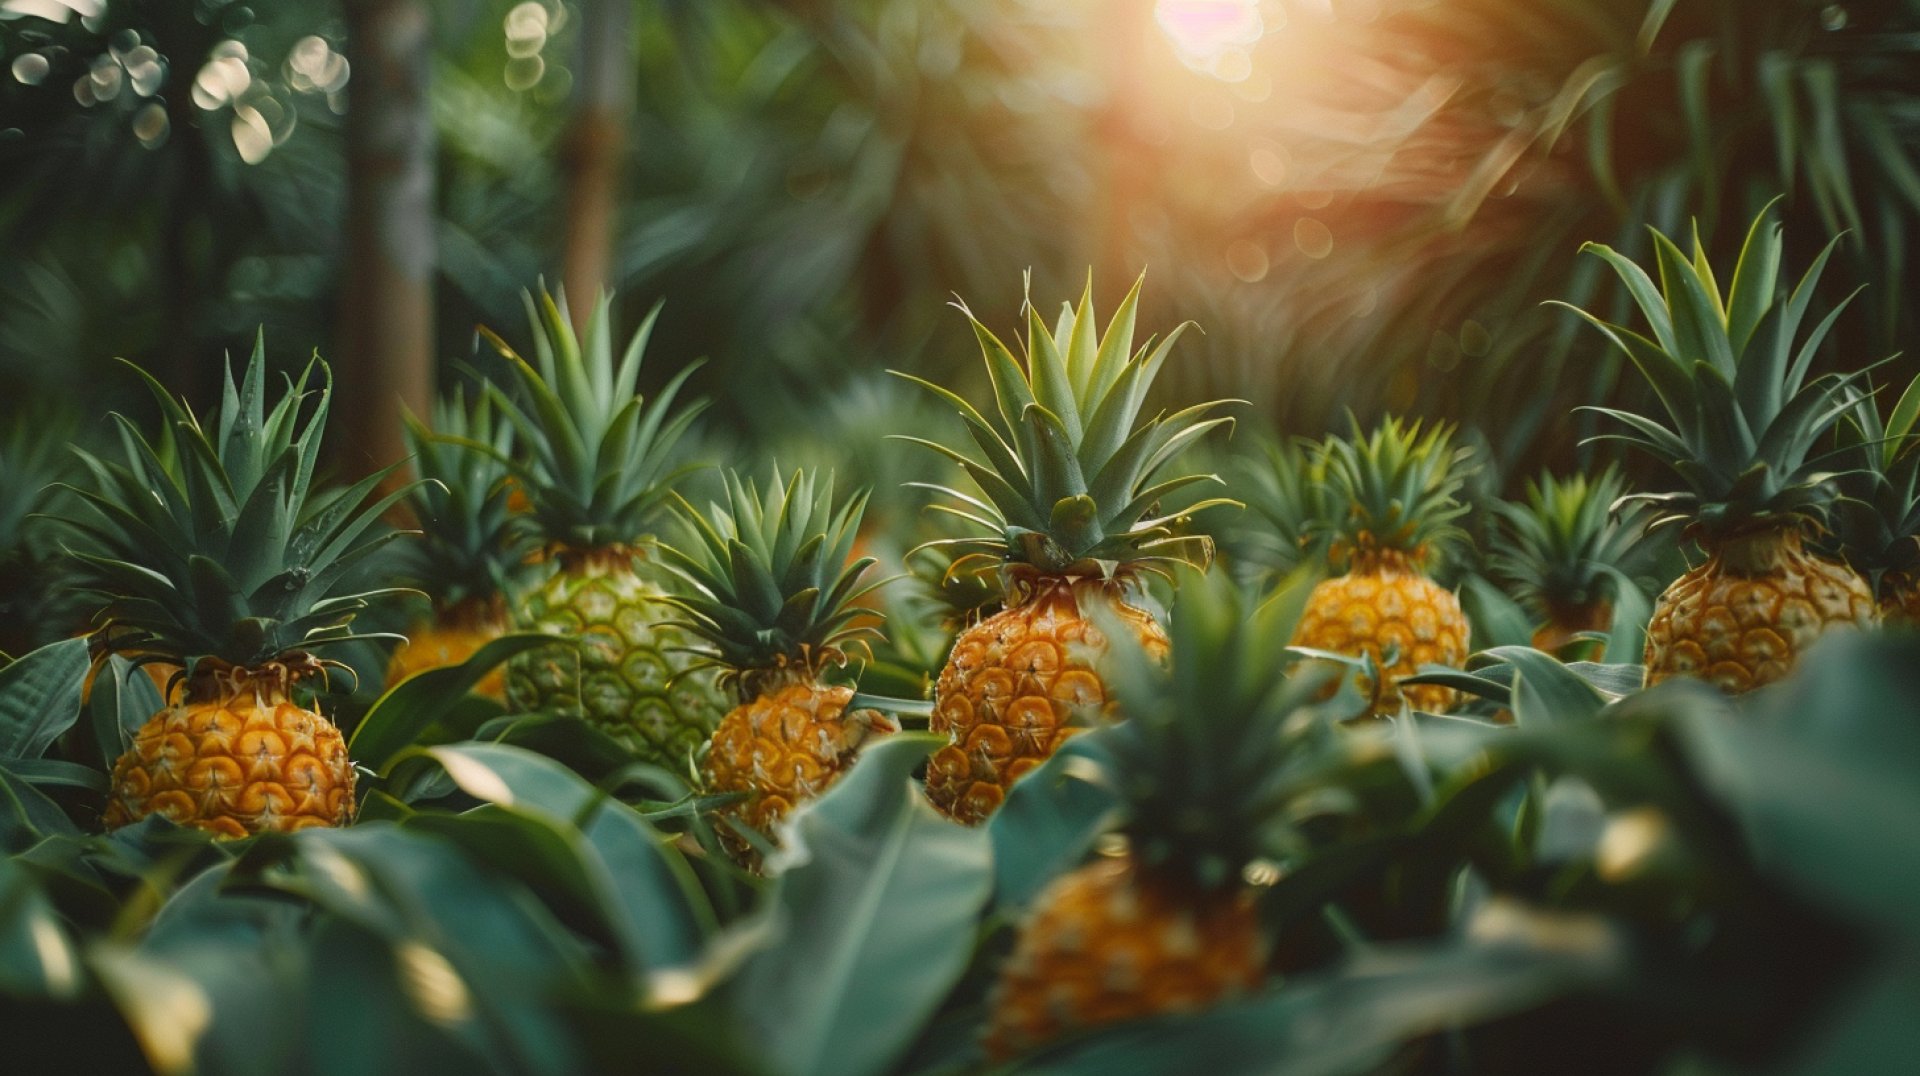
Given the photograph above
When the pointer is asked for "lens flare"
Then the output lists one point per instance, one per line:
(1212, 36)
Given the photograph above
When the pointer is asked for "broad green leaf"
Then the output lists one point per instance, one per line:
(1049, 822)
(413, 705)
(646, 888)
(876, 904)
(40, 697)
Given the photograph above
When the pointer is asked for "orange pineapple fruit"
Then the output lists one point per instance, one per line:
(1116, 941)
(1171, 922)
(1399, 487)
(1566, 555)
(1741, 422)
(221, 564)
(769, 582)
(469, 556)
(236, 756)
(1070, 517)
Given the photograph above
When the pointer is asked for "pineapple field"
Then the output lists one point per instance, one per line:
(931, 537)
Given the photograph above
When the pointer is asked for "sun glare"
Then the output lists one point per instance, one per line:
(1212, 36)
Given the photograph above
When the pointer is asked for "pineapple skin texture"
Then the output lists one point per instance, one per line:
(440, 643)
(1741, 619)
(1109, 943)
(250, 762)
(1900, 600)
(1384, 602)
(1017, 685)
(618, 678)
(783, 747)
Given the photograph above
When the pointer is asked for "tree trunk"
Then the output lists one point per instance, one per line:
(596, 142)
(384, 362)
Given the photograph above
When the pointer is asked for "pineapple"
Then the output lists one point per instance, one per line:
(1290, 495)
(1400, 490)
(594, 466)
(1877, 518)
(469, 556)
(226, 565)
(1170, 923)
(1070, 520)
(770, 584)
(1742, 418)
(1566, 554)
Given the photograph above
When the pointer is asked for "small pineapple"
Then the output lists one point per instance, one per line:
(1070, 520)
(594, 467)
(1877, 518)
(1399, 487)
(469, 555)
(1742, 420)
(226, 565)
(771, 586)
(1565, 553)
(1293, 508)
(1170, 924)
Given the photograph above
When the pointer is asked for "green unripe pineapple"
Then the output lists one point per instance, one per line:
(594, 469)
(630, 671)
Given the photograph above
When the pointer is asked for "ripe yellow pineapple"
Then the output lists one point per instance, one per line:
(1399, 489)
(595, 464)
(1070, 517)
(769, 584)
(1742, 420)
(223, 565)
(1568, 556)
(469, 554)
(1170, 924)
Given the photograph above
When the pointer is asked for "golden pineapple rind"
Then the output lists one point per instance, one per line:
(1109, 943)
(432, 644)
(784, 747)
(1017, 685)
(1384, 603)
(632, 674)
(236, 766)
(1741, 619)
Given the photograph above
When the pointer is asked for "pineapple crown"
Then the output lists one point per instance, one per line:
(228, 552)
(1742, 414)
(1068, 471)
(770, 579)
(469, 548)
(1289, 491)
(1401, 486)
(1876, 520)
(1201, 761)
(1564, 548)
(597, 455)
(956, 598)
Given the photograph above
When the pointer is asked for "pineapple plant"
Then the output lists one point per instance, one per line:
(1396, 495)
(469, 555)
(1877, 517)
(594, 464)
(1068, 518)
(1292, 508)
(228, 565)
(1566, 554)
(771, 584)
(33, 457)
(1169, 923)
(1742, 418)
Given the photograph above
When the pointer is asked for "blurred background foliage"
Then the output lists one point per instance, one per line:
(1362, 202)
